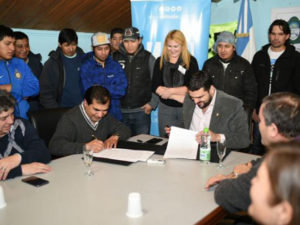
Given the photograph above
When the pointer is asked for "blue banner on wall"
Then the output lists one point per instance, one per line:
(155, 18)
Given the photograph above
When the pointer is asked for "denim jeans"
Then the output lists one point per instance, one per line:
(168, 115)
(138, 122)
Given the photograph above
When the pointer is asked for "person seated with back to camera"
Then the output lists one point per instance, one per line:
(275, 190)
(88, 125)
(279, 117)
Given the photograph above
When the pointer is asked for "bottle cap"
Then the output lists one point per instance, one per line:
(206, 130)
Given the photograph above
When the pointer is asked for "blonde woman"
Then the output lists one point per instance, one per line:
(171, 75)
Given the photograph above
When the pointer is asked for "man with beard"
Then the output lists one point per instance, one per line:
(223, 114)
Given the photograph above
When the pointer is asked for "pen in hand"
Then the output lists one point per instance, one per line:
(96, 144)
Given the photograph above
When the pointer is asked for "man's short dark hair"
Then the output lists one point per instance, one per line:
(97, 92)
(116, 30)
(20, 35)
(200, 79)
(67, 35)
(7, 101)
(5, 32)
(283, 109)
(284, 26)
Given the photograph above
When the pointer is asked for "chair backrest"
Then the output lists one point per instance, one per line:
(45, 121)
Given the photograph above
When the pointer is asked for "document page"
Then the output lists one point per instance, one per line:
(182, 144)
(124, 154)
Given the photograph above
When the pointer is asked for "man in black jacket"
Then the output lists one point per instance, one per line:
(22, 51)
(138, 64)
(232, 73)
(60, 84)
(276, 67)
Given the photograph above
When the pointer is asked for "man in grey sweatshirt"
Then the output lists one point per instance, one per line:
(88, 125)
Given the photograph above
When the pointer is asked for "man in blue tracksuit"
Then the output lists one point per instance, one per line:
(99, 68)
(15, 76)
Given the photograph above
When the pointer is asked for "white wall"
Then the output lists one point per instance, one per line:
(44, 41)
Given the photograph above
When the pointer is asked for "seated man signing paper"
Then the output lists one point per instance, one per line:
(88, 125)
(223, 114)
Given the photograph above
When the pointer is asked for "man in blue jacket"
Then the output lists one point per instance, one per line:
(15, 76)
(99, 68)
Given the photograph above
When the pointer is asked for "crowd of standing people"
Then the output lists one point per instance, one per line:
(113, 89)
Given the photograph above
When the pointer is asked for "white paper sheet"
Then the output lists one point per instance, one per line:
(124, 154)
(182, 144)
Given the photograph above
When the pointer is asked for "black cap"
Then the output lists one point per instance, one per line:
(131, 33)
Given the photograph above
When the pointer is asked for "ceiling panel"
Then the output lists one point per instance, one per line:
(81, 15)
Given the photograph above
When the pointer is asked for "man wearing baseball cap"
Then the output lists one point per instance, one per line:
(99, 68)
(138, 64)
(232, 73)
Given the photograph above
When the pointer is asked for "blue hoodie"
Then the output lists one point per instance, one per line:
(111, 76)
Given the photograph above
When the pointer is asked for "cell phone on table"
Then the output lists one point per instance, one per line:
(35, 181)
(154, 140)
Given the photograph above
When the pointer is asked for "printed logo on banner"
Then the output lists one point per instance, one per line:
(169, 12)
(170, 8)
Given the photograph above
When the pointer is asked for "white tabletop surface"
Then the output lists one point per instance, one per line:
(171, 194)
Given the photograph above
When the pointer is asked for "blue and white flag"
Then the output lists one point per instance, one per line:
(245, 45)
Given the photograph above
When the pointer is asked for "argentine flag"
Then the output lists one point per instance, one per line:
(245, 44)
